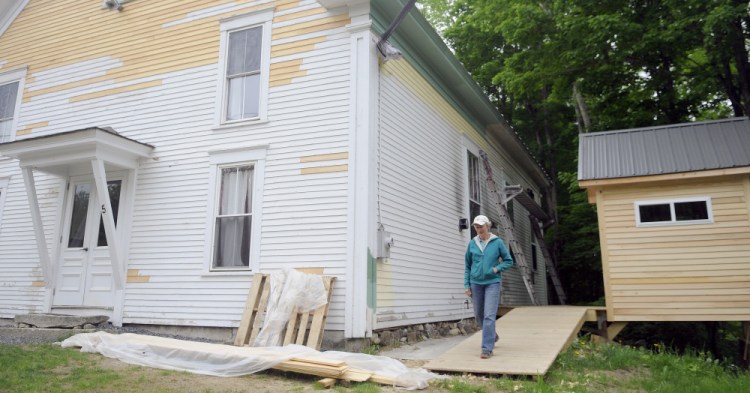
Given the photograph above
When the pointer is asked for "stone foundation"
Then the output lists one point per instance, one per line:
(416, 333)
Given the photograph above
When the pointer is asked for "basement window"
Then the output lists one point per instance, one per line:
(674, 212)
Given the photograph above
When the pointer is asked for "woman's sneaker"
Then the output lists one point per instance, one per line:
(485, 355)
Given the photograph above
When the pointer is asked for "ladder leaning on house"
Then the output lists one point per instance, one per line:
(507, 225)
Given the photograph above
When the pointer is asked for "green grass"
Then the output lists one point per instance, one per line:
(47, 368)
(584, 368)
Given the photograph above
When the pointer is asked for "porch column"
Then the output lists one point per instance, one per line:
(113, 242)
(36, 219)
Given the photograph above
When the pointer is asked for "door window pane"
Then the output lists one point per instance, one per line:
(114, 187)
(234, 218)
(78, 216)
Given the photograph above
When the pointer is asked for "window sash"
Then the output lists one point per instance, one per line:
(233, 218)
(8, 98)
(243, 73)
(675, 210)
(474, 190)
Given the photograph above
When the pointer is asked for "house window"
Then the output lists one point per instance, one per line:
(10, 87)
(510, 208)
(234, 217)
(245, 57)
(234, 230)
(474, 189)
(673, 212)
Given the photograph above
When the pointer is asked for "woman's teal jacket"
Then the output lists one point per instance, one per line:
(480, 264)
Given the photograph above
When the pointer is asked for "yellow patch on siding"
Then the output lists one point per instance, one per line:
(117, 90)
(404, 72)
(301, 14)
(310, 270)
(284, 5)
(38, 284)
(293, 48)
(136, 37)
(331, 22)
(282, 73)
(325, 157)
(30, 127)
(325, 169)
(134, 276)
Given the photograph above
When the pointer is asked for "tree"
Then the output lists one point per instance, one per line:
(556, 68)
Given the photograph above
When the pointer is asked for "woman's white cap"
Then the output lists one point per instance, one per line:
(481, 220)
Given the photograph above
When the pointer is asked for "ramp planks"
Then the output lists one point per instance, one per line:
(530, 340)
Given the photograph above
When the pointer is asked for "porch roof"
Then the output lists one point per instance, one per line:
(57, 153)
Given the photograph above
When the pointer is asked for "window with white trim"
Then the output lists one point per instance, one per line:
(245, 58)
(234, 217)
(674, 212)
(11, 85)
(234, 230)
(475, 194)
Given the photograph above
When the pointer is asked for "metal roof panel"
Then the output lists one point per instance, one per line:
(667, 149)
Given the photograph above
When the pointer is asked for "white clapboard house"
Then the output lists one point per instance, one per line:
(155, 155)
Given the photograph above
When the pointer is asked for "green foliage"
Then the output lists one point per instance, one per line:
(556, 68)
(455, 385)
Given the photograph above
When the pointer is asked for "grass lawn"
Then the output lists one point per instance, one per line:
(584, 367)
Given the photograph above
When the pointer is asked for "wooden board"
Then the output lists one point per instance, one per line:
(530, 340)
(303, 328)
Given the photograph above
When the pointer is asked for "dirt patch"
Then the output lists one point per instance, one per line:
(611, 381)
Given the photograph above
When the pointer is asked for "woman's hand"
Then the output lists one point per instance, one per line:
(468, 292)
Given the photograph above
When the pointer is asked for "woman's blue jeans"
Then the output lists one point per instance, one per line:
(486, 298)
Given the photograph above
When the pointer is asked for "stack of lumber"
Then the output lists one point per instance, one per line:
(331, 370)
(303, 328)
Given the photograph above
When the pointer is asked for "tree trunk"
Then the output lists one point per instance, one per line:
(739, 52)
(582, 110)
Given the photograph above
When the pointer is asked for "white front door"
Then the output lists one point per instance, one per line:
(84, 277)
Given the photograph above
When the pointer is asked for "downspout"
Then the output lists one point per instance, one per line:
(381, 45)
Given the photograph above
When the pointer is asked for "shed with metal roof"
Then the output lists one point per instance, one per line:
(673, 204)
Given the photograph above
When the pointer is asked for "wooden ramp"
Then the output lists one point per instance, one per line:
(530, 340)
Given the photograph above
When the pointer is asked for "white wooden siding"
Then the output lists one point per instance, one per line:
(304, 216)
(421, 198)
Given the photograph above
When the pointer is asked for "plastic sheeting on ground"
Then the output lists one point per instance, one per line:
(229, 361)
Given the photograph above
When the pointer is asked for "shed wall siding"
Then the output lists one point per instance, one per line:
(422, 195)
(150, 72)
(678, 272)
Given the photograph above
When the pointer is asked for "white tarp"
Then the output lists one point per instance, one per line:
(229, 361)
(289, 289)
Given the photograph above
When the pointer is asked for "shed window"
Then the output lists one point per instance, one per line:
(8, 98)
(683, 211)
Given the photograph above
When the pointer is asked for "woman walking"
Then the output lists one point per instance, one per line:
(486, 258)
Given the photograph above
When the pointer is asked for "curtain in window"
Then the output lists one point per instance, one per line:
(232, 244)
